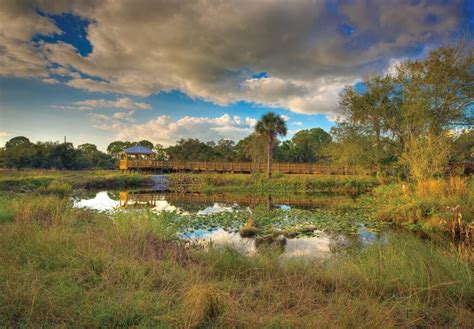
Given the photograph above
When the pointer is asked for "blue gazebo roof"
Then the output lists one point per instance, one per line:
(138, 150)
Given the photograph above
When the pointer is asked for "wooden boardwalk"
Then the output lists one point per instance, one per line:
(127, 165)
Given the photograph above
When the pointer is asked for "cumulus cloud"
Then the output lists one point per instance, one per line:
(165, 131)
(212, 49)
(94, 104)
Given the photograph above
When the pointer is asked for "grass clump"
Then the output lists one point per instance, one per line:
(56, 187)
(428, 203)
(202, 306)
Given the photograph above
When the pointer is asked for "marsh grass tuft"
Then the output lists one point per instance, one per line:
(202, 305)
(56, 187)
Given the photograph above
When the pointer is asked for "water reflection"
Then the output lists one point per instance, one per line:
(203, 203)
(101, 202)
(319, 246)
(216, 208)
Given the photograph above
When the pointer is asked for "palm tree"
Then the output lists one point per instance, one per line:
(271, 125)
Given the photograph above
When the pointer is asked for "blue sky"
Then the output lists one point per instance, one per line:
(164, 71)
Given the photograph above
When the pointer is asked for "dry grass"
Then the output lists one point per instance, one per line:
(429, 203)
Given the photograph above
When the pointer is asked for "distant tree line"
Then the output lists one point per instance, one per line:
(305, 146)
(19, 152)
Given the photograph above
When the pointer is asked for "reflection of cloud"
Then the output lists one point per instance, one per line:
(163, 205)
(216, 208)
(101, 202)
(221, 238)
(309, 247)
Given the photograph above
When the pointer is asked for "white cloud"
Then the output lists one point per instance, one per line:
(165, 131)
(4, 134)
(212, 49)
(126, 116)
(50, 81)
(297, 123)
(94, 104)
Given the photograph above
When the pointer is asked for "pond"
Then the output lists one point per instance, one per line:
(312, 226)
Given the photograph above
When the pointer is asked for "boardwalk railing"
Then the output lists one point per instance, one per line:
(234, 167)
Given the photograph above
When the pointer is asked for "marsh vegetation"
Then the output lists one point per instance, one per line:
(66, 266)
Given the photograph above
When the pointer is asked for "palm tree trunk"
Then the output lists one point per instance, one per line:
(270, 156)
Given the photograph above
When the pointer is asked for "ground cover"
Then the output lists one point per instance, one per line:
(63, 266)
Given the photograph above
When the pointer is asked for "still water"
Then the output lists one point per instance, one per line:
(316, 245)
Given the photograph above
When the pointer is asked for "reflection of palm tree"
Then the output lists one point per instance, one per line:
(271, 125)
(269, 202)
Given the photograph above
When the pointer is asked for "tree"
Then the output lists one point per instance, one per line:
(252, 148)
(146, 144)
(116, 147)
(19, 141)
(191, 150)
(225, 150)
(463, 146)
(19, 153)
(271, 126)
(308, 144)
(404, 116)
(160, 152)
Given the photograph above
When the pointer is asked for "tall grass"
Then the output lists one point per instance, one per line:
(258, 183)
(428, 203)
(49, 181)
(85, 269)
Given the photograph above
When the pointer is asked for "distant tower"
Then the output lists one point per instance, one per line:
(64, 139)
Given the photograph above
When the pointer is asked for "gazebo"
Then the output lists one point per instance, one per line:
(136, 157)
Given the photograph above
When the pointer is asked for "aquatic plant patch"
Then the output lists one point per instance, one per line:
(279, 221)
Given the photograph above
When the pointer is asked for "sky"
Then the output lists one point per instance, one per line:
(99, 71)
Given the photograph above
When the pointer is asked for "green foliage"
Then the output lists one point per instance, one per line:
(399, 120)
(305, 146)
(191, 149)
(146, 144)
(116, 147)
(20, 153)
